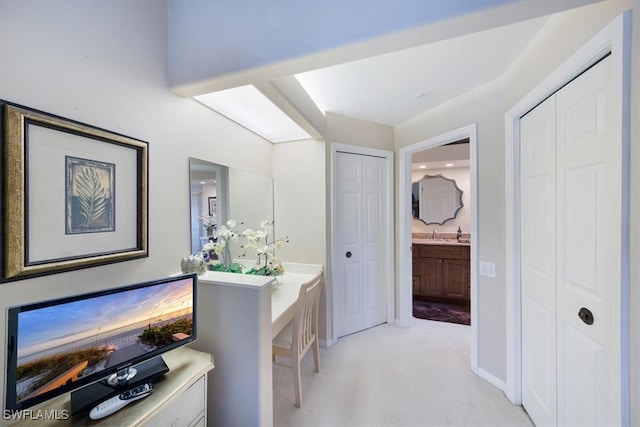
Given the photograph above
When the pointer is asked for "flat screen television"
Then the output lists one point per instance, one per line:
(96, 344)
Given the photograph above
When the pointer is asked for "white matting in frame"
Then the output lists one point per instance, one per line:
(47, 220)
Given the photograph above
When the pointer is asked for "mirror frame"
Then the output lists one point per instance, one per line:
(458, 198)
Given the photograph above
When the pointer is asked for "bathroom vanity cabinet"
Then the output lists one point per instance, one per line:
(441, 272)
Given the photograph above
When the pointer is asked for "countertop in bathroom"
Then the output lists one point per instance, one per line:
(451, 242)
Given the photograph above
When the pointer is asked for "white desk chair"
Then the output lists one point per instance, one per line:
(301, 333)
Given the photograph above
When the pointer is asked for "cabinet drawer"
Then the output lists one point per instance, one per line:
(444, 251)
(185, 410)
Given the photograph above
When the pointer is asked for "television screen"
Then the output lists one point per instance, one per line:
(59, 345)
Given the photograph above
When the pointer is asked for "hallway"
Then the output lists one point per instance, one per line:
(395, 376)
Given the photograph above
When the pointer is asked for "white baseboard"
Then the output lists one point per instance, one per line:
(327, 343)
(496, 382)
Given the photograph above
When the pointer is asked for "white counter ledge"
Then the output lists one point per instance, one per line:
(235, 279)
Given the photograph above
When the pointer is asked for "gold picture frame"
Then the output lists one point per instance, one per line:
(74, 195)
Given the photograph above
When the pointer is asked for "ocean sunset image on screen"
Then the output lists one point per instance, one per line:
(66, 342)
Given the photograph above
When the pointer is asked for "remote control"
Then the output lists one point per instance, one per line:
(118, 402)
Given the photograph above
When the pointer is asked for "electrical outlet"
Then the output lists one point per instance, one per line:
(487, 269)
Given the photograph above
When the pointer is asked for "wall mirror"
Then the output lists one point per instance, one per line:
(219, 193)
(436, 199)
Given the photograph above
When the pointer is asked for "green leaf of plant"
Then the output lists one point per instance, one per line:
(92, 197)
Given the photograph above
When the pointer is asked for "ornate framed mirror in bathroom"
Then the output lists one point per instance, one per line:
(436, 199)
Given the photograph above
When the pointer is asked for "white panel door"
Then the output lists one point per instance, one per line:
(361, 252)
(375, 251)
(538, 206)
(571, 255)
(348, 283)
(589, 218)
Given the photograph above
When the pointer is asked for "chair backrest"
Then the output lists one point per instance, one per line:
(305, 322)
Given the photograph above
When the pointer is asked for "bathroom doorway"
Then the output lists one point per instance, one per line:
(440, 232)
(405, 220)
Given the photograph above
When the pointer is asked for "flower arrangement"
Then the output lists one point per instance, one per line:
(267, 263)
(260, 241)
(221, 246)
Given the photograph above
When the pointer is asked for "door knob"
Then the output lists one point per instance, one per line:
(586, 316)
(348, 254)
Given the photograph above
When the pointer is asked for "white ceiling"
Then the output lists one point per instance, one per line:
(394, 87)
(442, 157)
(387, 89)
(379, 76)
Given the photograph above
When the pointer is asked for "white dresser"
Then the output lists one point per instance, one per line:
(178, 400)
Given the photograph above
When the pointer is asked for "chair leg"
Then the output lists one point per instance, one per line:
(316, 356)
(297, 386)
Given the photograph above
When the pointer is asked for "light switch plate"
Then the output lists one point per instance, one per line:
(487, 269)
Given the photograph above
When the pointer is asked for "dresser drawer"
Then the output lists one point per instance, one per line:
(444, 251)
(186, 410)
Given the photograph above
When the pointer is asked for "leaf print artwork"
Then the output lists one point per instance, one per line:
(90, 196)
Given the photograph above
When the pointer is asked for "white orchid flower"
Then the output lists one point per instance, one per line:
(250, 234)
(231, 223)
(264, 223)
(209, 246)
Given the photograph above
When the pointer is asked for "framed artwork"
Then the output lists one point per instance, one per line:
(213, 209)
(74, 195)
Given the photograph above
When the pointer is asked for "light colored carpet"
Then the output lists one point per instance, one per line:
(391, 376)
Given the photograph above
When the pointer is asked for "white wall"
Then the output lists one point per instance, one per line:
(103, 63)
(348, 130)
(298, 175)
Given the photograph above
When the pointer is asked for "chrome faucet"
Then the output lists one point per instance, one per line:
(433, 235)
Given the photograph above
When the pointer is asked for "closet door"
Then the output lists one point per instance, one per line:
(571, 226)
(538, 225)
(589, 215)
(362, 254)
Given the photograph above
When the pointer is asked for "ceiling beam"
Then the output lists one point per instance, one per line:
(288, 95)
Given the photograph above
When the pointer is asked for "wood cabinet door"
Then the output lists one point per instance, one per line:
(430, 277)
(455, 274)
(416, 285)
(415, 272)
